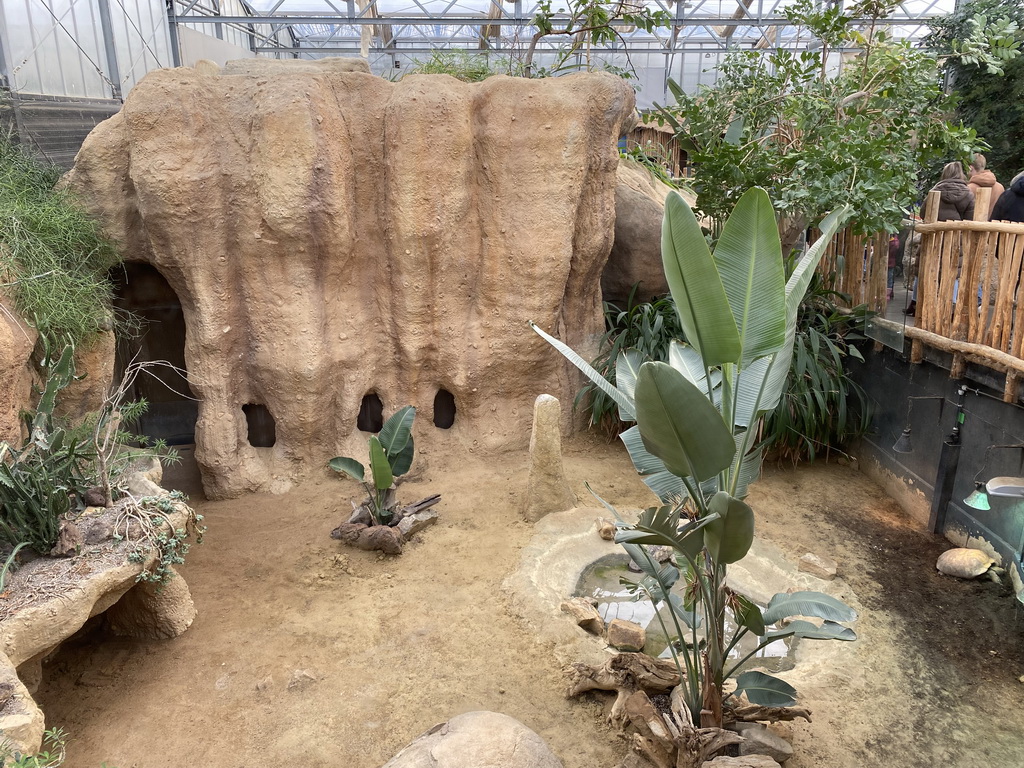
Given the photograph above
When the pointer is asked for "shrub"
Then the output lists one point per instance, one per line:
(39, 480)
(822, 408)
(648, 327)
(462, 65)
(52, 255)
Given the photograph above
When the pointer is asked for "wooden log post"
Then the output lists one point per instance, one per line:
(928, 263)
(1011, 390)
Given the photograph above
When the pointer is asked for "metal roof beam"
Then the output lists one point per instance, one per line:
(456, 21)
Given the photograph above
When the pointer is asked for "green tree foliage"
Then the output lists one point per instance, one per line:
(53, 258)
(817, 135)
(991, 94)
(584, 23)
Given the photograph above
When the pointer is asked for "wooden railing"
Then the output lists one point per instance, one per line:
(857, 265)
(969, 279)
(969, 298)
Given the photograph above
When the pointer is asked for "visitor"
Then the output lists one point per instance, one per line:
(981, 178)
(1010, 205)
(894, 250)
(956, 203)
(956, 200)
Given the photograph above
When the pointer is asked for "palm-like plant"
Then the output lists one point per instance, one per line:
(391, 452)
(695, 443)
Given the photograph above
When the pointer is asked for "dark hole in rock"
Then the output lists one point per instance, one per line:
(141, 292)
(371, 414)
(262, 429)
(444, 409)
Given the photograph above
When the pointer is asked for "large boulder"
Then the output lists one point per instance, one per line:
(636, 251)
(17, 339)
(332, 235)
(94, 365)
(477, 740)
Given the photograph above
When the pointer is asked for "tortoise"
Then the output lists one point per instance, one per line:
(967, 563)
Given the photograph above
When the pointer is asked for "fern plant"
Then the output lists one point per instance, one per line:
(822, 408)
(647, 327)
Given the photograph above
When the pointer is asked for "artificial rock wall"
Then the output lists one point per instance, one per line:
(332, 234)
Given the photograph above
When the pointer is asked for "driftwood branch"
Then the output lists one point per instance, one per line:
(750, 713)
(625, 674)
(669, 739)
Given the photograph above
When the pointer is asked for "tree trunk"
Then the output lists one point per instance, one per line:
(790, 229)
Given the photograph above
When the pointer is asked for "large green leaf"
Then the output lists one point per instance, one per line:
(696, 286)
(750, 469)
(664, 484)
(627, 366)
(643, 559)
(679, 425)
(765, 690)
(749, 260)
(380, 467)
(748, 615)
(829, 630)
(688, 362)
(401, 463)
(625, 404)
(348, 466)
(796, 287)
(658, 586)
(807, 604)
(728, 538)
(394, 435)
(660, 526)
(645, 462)
(689, 617)
(749, 392)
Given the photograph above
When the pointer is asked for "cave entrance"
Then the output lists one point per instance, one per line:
(157, 332)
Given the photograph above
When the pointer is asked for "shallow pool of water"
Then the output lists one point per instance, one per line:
(601, 581)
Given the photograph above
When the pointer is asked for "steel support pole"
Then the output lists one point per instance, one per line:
(945, 476)
(107, 28)
(7, 81)
(172, 30)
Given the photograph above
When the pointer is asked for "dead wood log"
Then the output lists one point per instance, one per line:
(750, 713)
(361, 514)
(624, 673)
(419, 506)
(370, 537)
(653, 740)
(670, 740)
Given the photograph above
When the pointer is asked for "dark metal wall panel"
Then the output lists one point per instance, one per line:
(54, 127)
(890, 380)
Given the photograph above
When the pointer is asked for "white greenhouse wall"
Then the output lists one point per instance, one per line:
(58, 47)
(196, 45)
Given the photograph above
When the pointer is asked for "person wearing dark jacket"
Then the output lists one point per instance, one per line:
(956, 201)
(1010, 205)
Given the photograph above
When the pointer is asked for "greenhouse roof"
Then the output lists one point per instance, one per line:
(348, 25)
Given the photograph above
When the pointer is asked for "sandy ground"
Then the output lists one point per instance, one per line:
(305, 653)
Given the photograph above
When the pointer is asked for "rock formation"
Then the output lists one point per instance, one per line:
(331, 235)
(636, 252)
(51, 599)
(17, 339)
(548, 490)
(476, 739)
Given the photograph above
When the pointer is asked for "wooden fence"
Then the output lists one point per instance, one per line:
(857, 265)
(969, 297)
(970, 277)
